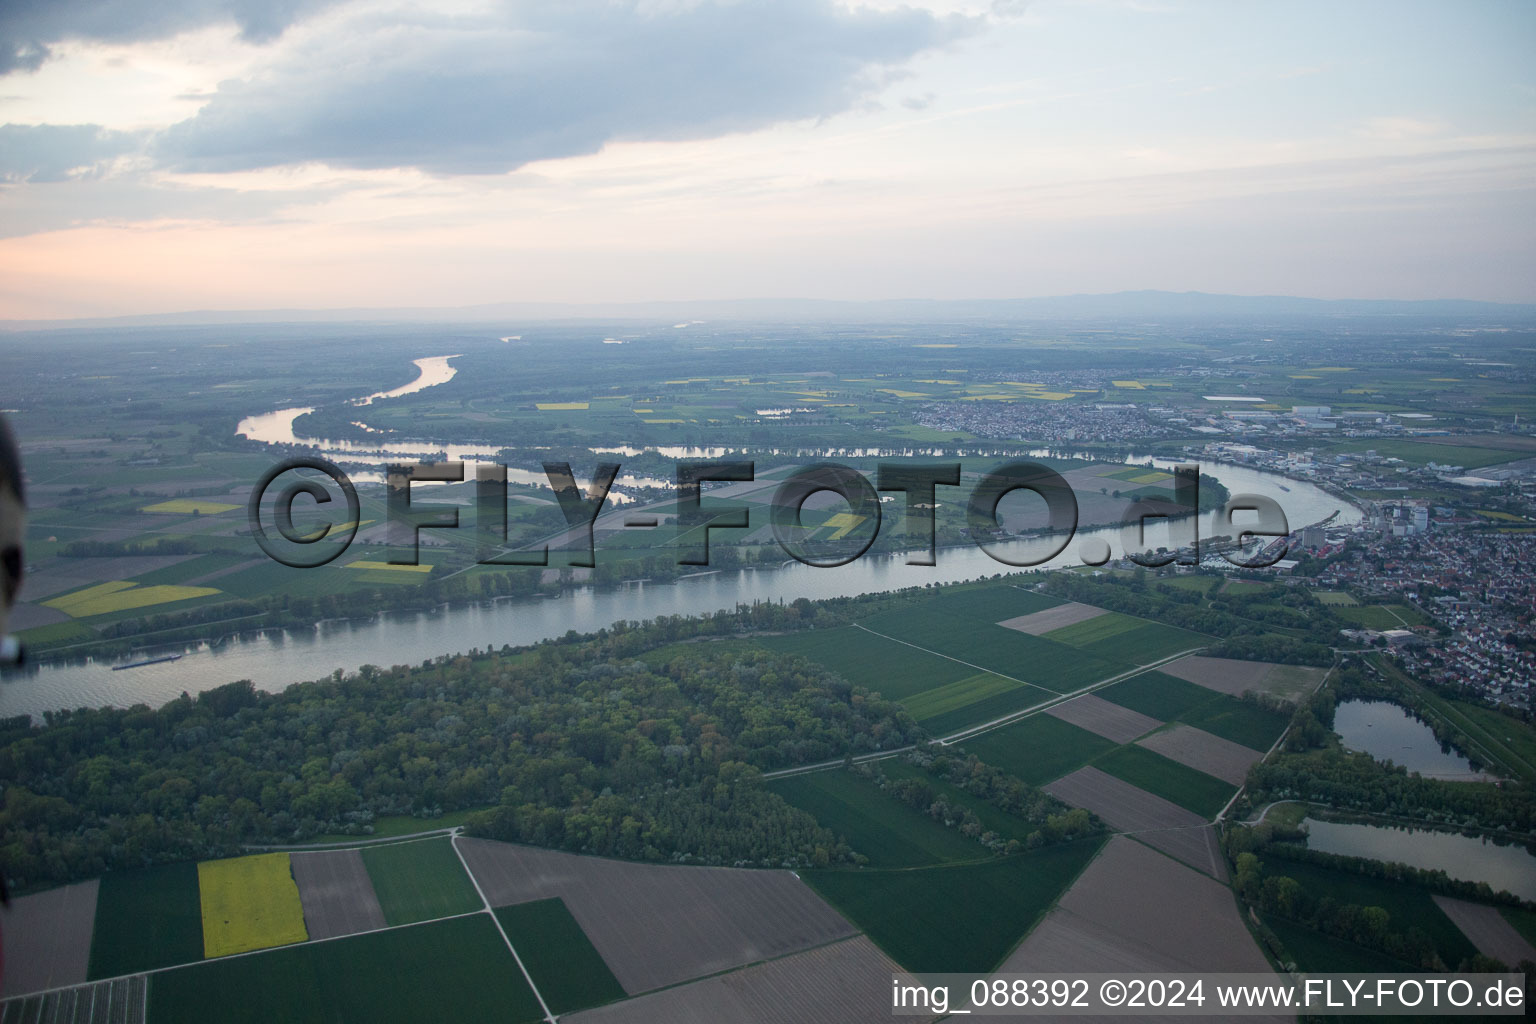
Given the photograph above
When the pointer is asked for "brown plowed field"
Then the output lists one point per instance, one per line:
(1167, 826)
(48, 938)
(337, 894)
(658, 925)
(1203, 752)
(1036, 623)
(847, 982)
(1099, 716)
(1236, 677)
(1135, 910)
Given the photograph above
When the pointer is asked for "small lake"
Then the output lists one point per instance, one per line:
(1389, 732)
(1467, 858)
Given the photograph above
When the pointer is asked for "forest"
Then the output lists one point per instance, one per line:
(641, 741)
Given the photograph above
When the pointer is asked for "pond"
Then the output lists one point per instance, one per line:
(1390, 732)
(1468, 858)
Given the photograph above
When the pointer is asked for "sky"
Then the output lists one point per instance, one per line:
(168, 155)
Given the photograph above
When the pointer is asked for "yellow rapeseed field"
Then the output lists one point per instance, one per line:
(249, 903)
(187, 506)
(121, 595)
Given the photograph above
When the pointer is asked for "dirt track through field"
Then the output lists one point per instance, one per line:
(1069, 614)
(48, 938)
(844, 983)
(1167, 826)
(1135, 910)
(1203, 752)
(337, 894)
(657, 925)
(1099, 716)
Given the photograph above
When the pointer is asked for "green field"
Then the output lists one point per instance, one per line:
(963, 693)
(992, 602)
(1007, 702)
(1160, 776)
(1315, 951)
(1523, 920)
(147, 918)
(966, 917)
(1336, 598)
(1090, 631)
(419, 880)
(1052, 666)
(1381, 617)
(1406, 905)
(889, 833)
(895, 670)
(568, 970)
(1171, 699)
(1039, 748)
(446, 970)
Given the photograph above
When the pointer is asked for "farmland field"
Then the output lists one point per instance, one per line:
(1094, 629)
(895, 670)
(1377, 616)
(569, 972)
(841, 983)
(1043, 622)
(1235, 677)
(188, 506)
(419, 880)
(1146, 643)
(1175, 830)
(1038, 749)
(1134, 909)
(1100, 717)
(1315, 951)
(962, 693)
(1203, 752)
(994, 648)
(445, 970)
(991, 603)
(890, 834)
(1174, 782)
(249, 903)
(1169, 698)
(964, 917)
(336, 892)
(119, 1001)
(147, 918)
(657, 925)
(1488, 930)
(48, 938)
(123, 596)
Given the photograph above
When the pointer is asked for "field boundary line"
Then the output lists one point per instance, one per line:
(967, 664)
(1221, 817)
(349, 844)
(548, 1013)
(976, 730)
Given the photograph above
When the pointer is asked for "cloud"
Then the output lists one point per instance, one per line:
(60, 152)
(486, 94)
(30, 28)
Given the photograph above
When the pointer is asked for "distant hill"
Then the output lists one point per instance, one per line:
(1141, 305)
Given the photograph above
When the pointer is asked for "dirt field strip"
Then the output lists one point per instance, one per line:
(1136, 910)
(1235, 677)
(1099, 716)
(1036, 623)
(1489, 932)
(336, 892)
(548, 1015)
(48, 938)
(1153, 820)
(1203, 752)
(658, 925)
(847, 982)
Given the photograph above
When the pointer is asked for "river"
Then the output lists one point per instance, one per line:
(278, 658)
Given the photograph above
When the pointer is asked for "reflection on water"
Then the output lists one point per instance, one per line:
(1389, 732)
(1466, 858)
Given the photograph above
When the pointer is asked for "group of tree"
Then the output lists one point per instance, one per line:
(624, 743)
